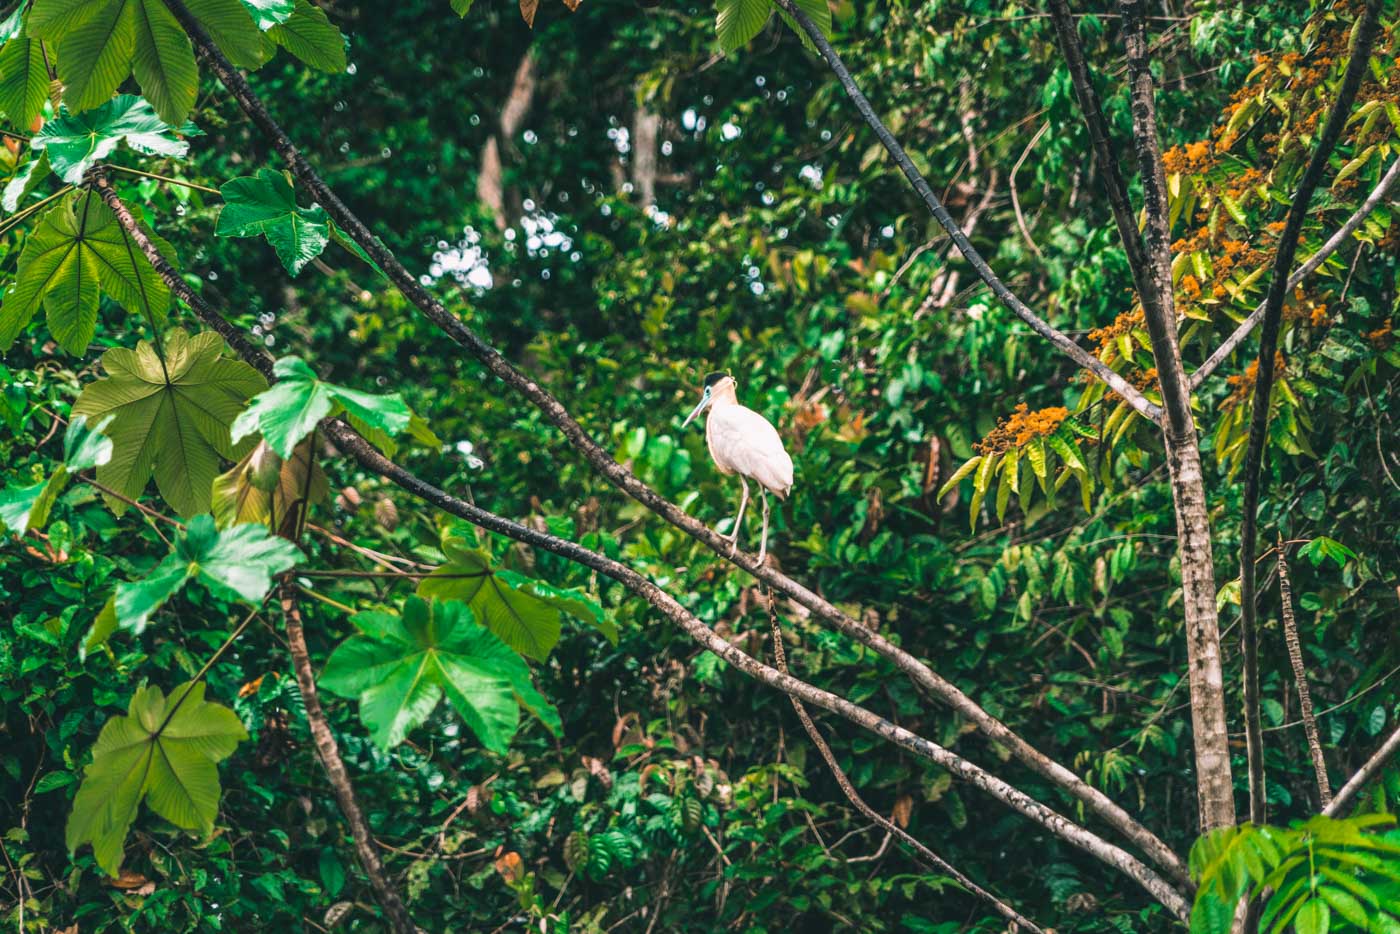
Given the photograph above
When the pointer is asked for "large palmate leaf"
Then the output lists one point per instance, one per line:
(310, 36)
(264, 489)
(24, 79)
(287, 412)
(399, 667)
(78, 247)
(100, 42)
(265, 205)
(27, 507)
(242, 560)
(164, 751)
(77, 142)
(523, 611)
(737, 22)
(172, 417)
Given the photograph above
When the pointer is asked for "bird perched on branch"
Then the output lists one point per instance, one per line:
(742, 441)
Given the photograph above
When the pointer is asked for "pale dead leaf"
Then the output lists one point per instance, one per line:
(527, 11)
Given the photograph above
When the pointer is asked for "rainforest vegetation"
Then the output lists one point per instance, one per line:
(360, 572)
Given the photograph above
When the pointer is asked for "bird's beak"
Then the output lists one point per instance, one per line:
(699, 407)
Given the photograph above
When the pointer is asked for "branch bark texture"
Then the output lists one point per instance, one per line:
(1300, 675)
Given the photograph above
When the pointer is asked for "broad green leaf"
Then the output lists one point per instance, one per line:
(738, 21)
(959, 475)
(75, 143)
(462, 7)
(310, 36)
(24, 80)
(242, 560)
(288, 411)
(264, 489)
(101, 630)
(232, 27)
(1344, 904)
(819, 12)
(269, 13)
(265, 205)
(78, 247)
(100, 42)
(21, 506)
(172, 417)
(399, 668)
(85, 446)
(523, 612)
(164, 751)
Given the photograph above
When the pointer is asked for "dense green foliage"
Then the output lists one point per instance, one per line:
(590, 768)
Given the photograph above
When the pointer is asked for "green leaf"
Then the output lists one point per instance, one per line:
(21, 507)
(310, 36)
(233, 28)
(264, 489)
(958, 475)
(174, 429)
(85, 446)
(288, 411)
(78, 247)
(24, 80)
(269, 13)
(100, 42)
(462, 7)
(819, 12)
(525, 613)
(1344, 904)
(1313, 918)
(23, 183)
(265, 205)
(399, 667)
(242, 560)
(75, 143)
(738, 21)
(102, 628)
(164, 751)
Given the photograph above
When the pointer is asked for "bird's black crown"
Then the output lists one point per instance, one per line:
(713, 378)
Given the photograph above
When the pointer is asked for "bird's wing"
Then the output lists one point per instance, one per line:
(745, 442)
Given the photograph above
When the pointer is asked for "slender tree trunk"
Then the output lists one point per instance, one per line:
(490, 181)
(329, 754)
(1214, 783)
(1300, 675)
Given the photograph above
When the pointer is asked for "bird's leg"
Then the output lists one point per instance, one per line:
(733, 536)
(763, 543)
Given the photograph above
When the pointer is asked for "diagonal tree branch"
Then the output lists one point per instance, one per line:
(1056, 337)
(1333, 244)
(928, 856)
(352, 443)
(623, 479)
(1387, 751)
(1357, 67)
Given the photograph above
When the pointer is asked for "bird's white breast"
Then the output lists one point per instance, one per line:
(742, 441)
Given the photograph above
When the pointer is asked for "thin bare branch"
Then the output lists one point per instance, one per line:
(1387, 751)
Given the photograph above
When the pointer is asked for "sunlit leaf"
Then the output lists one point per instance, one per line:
(77, 142)
(265, 205)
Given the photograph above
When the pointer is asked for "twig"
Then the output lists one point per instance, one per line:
(890, 828)
(142, 507)
(602, 461)
(1300, 675)
(1016, 199)
(162, 178)
(329, 754)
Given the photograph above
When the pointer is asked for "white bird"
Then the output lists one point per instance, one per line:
(742, 441)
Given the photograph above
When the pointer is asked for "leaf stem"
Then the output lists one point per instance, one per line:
(163, 178)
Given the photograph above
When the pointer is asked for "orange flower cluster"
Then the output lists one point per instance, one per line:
(1242, 384)
(1020, 427)
(1191, 158)
(1122, 324)
(1382, 337)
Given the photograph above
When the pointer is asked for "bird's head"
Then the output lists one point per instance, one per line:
(716, 384)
